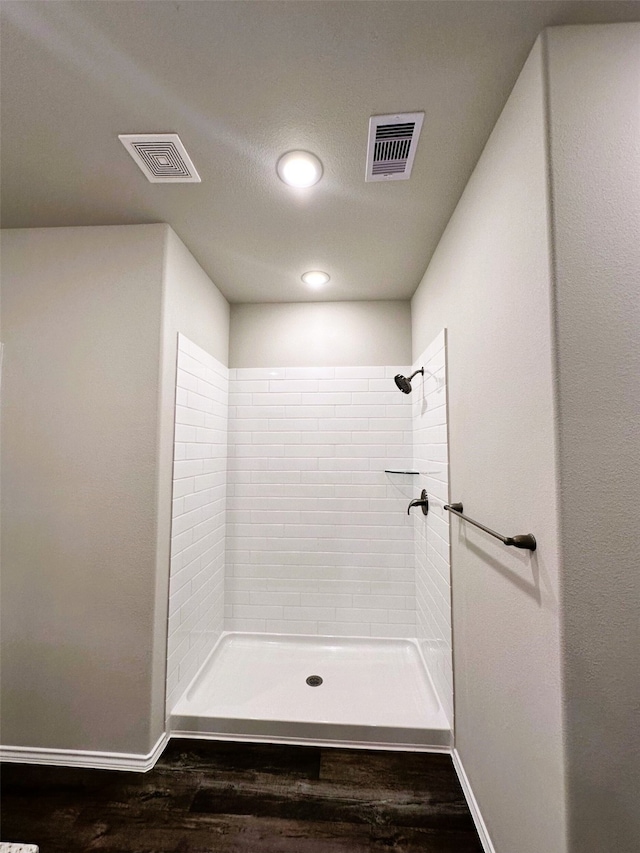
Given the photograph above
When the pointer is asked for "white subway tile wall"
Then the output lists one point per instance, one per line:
(431, 534)
(318, 537)
(196, 583)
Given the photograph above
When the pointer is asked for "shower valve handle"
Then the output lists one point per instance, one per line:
(422, 501)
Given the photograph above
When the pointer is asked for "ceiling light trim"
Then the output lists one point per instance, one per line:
(315, 278)
(300, 169)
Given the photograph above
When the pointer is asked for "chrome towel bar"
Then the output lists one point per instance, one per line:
(525, 540)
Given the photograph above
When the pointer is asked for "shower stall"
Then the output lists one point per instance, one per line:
(306, 604)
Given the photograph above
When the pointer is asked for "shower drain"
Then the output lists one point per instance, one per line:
(314, 681)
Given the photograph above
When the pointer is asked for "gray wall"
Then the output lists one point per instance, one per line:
(594, 103)
(81, 311)
(513, 268)
(90, 321)
(489, 285)
(320, 334)
(193, 304)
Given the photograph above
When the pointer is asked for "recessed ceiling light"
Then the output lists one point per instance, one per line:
(315, 278)
(299, 169)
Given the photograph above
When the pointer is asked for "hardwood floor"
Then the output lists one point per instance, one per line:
(210, 797)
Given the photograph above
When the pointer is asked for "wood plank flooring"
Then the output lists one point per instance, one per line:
(214, 797)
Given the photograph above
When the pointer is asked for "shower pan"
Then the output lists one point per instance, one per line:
(320, 690)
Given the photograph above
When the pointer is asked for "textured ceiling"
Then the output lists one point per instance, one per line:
(241, 83)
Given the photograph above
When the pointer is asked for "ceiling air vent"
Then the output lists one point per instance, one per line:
(162, 157)
(392, 146)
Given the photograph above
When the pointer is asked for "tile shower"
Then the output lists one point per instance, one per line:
(289, 473)
(318, 538)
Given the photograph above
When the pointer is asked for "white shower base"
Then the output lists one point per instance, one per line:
(375, 693)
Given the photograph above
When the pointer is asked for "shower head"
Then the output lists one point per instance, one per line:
(403, 383)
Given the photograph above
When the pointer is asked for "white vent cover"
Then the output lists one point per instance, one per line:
(393, 140)
(162, 157)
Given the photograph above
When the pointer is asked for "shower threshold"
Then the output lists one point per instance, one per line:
(374, 693)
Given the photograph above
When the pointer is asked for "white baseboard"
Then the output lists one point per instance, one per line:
(481, 827)
(8, 847)
(84, 758)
